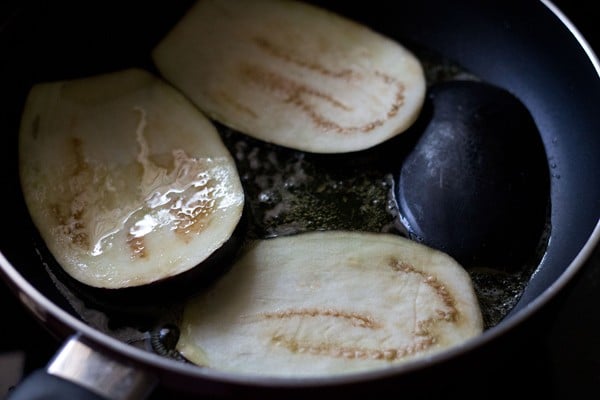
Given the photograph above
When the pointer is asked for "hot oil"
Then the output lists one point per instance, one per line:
(289, 192)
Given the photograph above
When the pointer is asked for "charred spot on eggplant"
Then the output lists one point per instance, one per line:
(476, 184)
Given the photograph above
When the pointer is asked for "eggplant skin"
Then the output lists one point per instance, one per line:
(330, 302)
(293, 74)
(144, 307)
(126, 181)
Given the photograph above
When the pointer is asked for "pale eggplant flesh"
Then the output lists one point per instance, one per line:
(330, 302)
(126, 181)
(293, 74)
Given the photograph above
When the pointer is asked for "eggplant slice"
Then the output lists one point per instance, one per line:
(330, 302)
(126, 181)
(293, 74)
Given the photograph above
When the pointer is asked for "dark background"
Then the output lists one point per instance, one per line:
(555, 355)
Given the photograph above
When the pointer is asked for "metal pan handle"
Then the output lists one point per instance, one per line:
(78, 371)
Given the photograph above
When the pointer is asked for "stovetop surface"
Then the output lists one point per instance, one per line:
(555, 355)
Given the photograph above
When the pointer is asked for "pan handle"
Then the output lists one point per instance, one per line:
(78, 371)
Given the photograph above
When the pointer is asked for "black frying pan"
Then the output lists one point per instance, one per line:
(524, 47)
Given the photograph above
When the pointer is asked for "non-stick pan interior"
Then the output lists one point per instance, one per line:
(522, 47)
(548, 70)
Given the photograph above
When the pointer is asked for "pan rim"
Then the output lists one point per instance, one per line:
(41, 307)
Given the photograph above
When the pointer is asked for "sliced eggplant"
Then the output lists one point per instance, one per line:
(126, 181)
(293, 74)
(330, 302)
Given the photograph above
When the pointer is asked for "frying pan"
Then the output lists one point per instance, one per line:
(527, 47)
